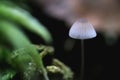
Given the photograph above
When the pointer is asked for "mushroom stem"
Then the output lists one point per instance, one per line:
(82, 60)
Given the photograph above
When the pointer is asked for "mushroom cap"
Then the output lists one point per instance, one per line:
(82, 29)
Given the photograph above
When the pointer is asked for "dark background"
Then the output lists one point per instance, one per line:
(101, 60)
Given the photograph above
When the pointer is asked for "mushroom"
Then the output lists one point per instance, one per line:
(82, 29)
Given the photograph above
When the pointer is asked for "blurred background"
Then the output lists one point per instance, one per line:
(101, 53)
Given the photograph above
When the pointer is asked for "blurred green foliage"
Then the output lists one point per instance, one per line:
(17, 54)
(10, 17)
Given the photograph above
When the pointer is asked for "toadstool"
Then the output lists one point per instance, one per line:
(82, 30)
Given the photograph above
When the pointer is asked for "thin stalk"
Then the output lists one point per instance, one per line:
(45, 74)
(82, 60)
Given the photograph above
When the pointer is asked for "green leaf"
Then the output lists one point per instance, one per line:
(24, 18)
(4, 53)
(7, 74)
(19, 40)
(24, 63)
(13, 34)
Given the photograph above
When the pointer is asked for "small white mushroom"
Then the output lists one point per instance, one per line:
(82, 29)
